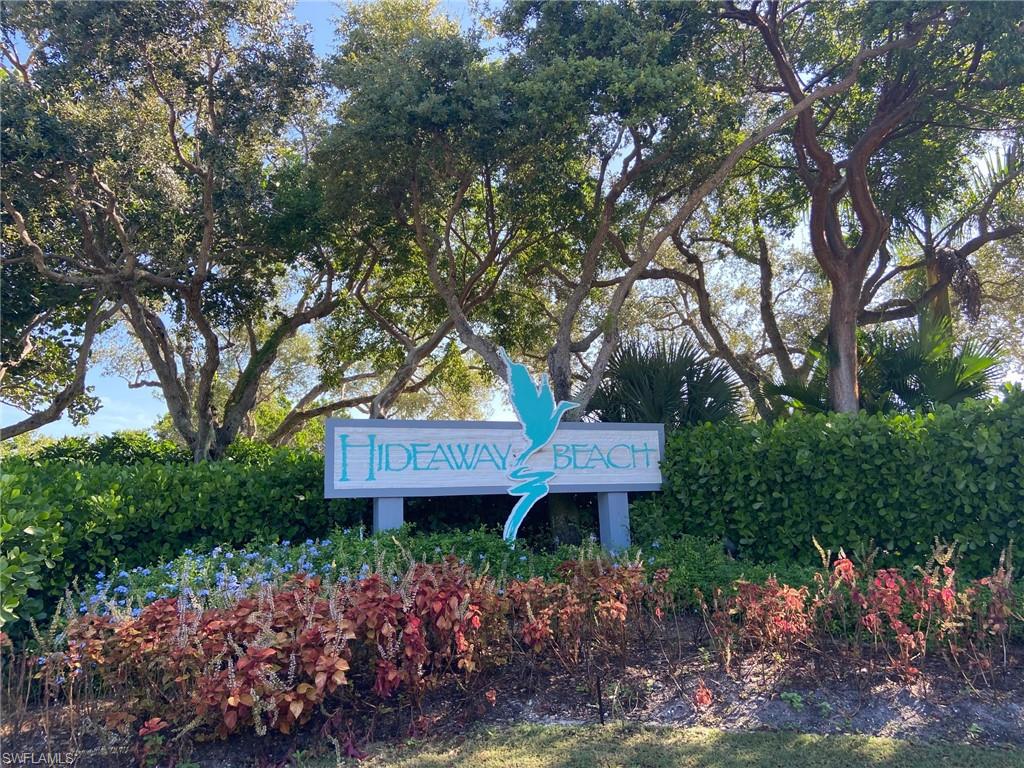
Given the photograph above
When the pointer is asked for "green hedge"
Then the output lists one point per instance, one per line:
(897, 482)
(126, 447)
(894, 482)
(146, 512)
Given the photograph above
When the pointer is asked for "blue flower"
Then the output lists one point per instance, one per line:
(121, 590)
(123, 575)
(228, 555)
(145, 571)
(136, 611)
(522, 558)
(394, 579)
(308, 542)
(100, 575)
(187, 552)
(151, 595)
(204, 592)
(285, 543)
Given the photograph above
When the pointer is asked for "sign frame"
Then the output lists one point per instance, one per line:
(412, 491)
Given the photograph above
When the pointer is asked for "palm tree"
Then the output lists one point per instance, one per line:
(673, 384)
(918, 369)
(906, 371)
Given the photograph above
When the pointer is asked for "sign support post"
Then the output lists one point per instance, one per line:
(613, 518)
(388, 513)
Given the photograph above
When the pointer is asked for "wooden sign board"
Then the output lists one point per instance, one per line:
(368, 458)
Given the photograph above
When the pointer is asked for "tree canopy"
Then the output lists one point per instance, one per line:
(195, 200)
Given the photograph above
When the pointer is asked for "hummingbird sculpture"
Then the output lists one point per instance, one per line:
(539, 415)
(534, 406)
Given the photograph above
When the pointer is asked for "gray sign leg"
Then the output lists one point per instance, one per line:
(613, 515)
(387, 513)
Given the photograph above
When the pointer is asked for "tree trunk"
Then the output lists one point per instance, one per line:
(939, 305)
(563, 511)
(843, 385)
(565, 519)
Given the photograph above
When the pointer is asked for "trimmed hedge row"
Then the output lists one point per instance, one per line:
(146, 512)
(894, 482)
(897, 482)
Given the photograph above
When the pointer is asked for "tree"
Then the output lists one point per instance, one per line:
(869, 155)
(155, 162)
(48, 333)
(535, 190)
(906, 371)
(550, 170)
(673, 384)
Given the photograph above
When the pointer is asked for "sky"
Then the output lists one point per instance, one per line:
(125, 408)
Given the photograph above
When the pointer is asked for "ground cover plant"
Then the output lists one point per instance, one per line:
(354, 657)
(224, 573)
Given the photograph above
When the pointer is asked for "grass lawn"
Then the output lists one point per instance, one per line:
(624, 746)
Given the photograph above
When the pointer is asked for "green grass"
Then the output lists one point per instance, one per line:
(622, 746)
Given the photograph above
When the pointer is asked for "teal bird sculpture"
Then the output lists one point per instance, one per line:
(534, 406)
(539, 415)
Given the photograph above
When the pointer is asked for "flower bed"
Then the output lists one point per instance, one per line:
(900, 618)
(222, 575)
(273, 660)
(359, 648)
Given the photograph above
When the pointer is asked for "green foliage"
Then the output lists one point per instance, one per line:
(920, 368)
(672, 384)
(904, 371)
(33, 541)
(39, 338)
(146, 512)
(895, 482)
(127, 447)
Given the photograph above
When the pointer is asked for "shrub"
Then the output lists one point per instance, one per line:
(275, 660)
(896, 482)
(902, 618)
(127, 447)
(146, 512)
(33, 542)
